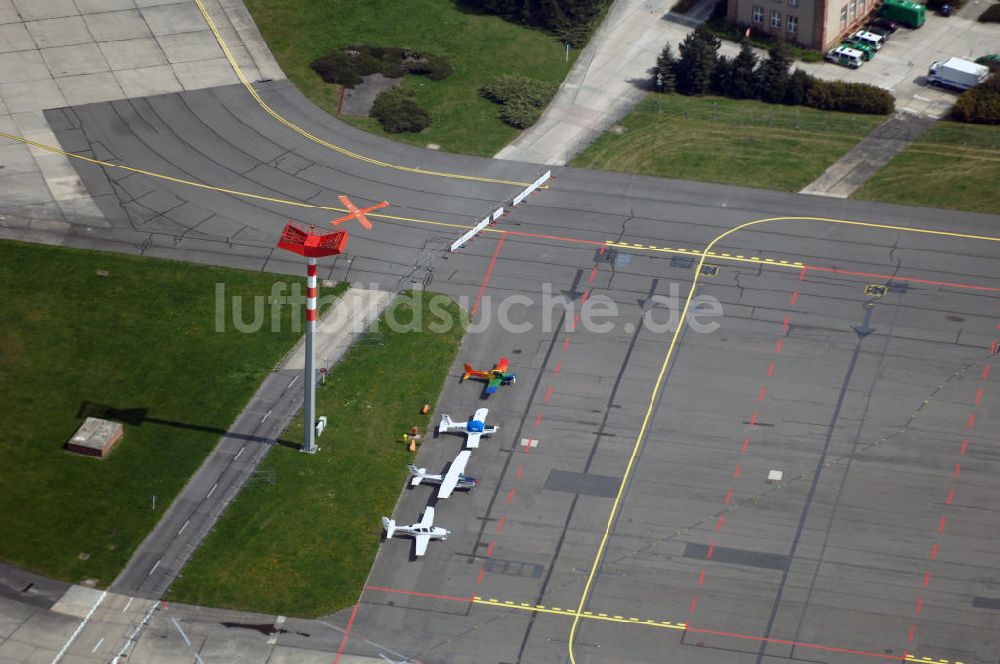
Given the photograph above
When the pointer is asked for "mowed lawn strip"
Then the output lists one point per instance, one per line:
(479, 47)
(953, 165)
(303, 546)
(728, 141)
(142, 338)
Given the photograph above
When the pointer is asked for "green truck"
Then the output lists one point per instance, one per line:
(904, 12)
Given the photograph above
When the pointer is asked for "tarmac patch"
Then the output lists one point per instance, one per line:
(602, 486)
(992, 603)
(721, 554)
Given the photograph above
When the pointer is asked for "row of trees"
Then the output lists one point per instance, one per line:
(570, 19)
(699, 70)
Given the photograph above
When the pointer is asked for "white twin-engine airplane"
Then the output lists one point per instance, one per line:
(454, 479)
(473, 429)
(422, 532)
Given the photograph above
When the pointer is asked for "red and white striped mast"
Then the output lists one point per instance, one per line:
(312, 245)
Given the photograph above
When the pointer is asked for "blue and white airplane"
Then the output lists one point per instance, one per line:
(473, 429)
(453, 479)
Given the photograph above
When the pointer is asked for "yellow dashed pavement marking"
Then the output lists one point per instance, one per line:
(712, 254)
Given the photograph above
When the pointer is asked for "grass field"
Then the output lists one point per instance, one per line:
(142, 337)
(728, 141)
(304, 545)
(479, 48)
(953, 166)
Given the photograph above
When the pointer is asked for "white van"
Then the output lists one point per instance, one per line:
(848, 57)
(870, 39)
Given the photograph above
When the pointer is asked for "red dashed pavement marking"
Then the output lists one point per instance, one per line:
(942, 522)
(746, 440)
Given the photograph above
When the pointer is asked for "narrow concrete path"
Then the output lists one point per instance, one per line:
(192, 515)
(874, 151)
(608, 79)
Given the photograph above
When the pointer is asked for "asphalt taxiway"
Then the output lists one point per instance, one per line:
(624, 512)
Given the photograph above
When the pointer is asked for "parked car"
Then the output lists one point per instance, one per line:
(868, 39)
(846, 56)
(866, 51)
(881, 23)
(885, 34)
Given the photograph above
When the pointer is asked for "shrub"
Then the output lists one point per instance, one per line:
(522, 98)
(981, 104)
(798, 88)
(396, 111)
(519, 112)
(512, 86)
(849, 97)
(432, 66)
(991, 15)
(346, 66)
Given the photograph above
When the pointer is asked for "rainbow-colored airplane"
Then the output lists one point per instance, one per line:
(494, 378)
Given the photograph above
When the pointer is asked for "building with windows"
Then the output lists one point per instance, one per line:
(816, 24)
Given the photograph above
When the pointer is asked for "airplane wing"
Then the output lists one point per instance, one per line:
(454, 471)
(502, 364)
(481, 414)
(422, 541)
(492, 386)
(472, 440)
(428, 520)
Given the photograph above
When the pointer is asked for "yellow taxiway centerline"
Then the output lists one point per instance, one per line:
(336, 148)
(671, 347)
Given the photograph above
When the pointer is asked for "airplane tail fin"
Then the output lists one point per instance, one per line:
(416, 474)
(390, 527)
(446, 422)
(468, 371)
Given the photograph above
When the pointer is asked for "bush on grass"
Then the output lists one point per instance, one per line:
(849, 97)
(348, 65)
(522, 98)
(981, 104)
(397, 111)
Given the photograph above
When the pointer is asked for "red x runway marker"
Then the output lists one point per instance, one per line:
(355, 213)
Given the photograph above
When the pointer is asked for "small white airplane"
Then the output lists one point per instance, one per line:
(454, 479)
(422, 532)
(473, 429)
